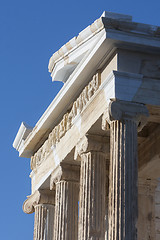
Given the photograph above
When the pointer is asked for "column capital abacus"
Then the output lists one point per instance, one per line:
(92, 143)
(124, 110)
(65, 172)
(42, 196)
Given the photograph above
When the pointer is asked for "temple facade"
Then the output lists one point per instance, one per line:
(95, 152)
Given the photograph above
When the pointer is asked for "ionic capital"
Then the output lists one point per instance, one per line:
(92, 143)
(123, 110)
(39, 197)
(65, 172)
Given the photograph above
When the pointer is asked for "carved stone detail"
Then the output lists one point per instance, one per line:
(124, 119)
(92, 203)
(65, 172)
(39, 197)
(121, 110)
(67, 121)
(42, 203)
(66, 178)
(90, 143)
(43, 222)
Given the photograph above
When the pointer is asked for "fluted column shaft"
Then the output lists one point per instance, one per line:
(66, 180)
(43, 222)
(92, 203)
(92, 196)
(124, 118)
(123, 181)
(66, 211)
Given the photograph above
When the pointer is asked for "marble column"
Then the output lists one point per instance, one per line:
(146, 208)
(92, 203)
(124, 119)
(66, 179)
(43, 222)
(42, 203)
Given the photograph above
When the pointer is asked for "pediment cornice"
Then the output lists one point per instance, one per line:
(118, 27)
(92, 49)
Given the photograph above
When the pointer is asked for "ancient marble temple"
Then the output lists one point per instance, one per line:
(95, 152)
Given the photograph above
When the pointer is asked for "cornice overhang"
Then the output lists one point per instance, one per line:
(109, 34)
(22, 134)
(64, 61)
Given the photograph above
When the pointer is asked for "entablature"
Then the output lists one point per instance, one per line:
(84, 117)
(113, 59)
(120, 60)
(67, 121)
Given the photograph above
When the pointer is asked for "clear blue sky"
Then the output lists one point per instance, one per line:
(30, 32)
